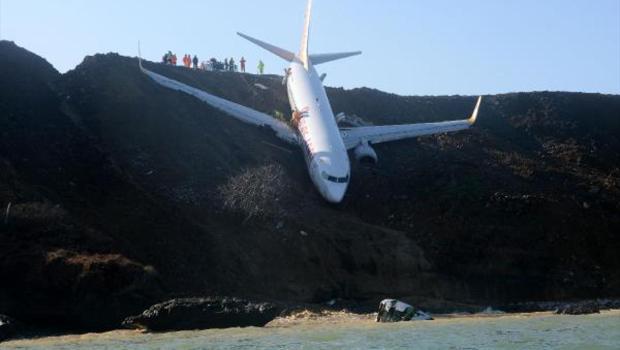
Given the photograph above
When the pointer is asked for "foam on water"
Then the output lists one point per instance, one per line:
(533, 331)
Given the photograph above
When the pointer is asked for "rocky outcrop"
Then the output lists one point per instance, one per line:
(203, 313)
(583, 308)
(8, 327)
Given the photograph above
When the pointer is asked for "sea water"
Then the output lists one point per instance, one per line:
(532, 331)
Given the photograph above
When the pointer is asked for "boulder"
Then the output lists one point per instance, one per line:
(392, 310)
(583, 308)
(203, 313)
(8, 327)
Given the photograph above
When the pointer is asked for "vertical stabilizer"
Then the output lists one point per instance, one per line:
(303, 54)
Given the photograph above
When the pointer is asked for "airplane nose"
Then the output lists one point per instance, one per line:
(335, 193)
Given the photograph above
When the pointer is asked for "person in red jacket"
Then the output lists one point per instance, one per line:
(242, 62)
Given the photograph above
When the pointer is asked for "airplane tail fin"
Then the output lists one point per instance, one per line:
(284, 54)
(304, 57)
(303, 53)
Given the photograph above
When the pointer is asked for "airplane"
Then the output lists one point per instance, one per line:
(313, 126)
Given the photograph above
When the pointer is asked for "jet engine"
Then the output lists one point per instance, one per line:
(364, 153)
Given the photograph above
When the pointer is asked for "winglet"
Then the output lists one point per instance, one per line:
(140, 57)
(474, 115)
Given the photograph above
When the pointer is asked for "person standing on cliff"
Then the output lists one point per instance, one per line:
(242, 64)
(195, 61)
(261, 67)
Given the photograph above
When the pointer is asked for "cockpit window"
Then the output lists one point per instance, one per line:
(335, 179)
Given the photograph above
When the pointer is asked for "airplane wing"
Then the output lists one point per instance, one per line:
(235, 110)
(352, 137)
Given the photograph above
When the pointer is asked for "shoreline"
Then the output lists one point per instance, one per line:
(307, 317)
(301, 320)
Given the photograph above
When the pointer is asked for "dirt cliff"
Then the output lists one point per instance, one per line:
(124, 193)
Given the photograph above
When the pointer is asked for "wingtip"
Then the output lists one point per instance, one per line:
(474, 115)
(140, 56)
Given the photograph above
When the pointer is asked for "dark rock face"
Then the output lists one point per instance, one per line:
(124, 193)
(203, 313)
(583, 308)
(8, 328)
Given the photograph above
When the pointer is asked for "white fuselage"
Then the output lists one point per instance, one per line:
(325, 153)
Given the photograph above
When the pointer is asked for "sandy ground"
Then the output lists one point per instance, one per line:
(307, 317)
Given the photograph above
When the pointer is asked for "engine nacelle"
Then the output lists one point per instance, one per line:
(364, 153)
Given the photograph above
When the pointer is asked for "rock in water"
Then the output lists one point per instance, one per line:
(392, 310)
(583, 308)
(203, 313)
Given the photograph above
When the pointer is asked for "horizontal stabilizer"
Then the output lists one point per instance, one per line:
(284, 54)
(328, 57)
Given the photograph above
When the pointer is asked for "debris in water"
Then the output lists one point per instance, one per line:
(392, 310)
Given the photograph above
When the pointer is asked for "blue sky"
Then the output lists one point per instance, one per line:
(411, 47)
